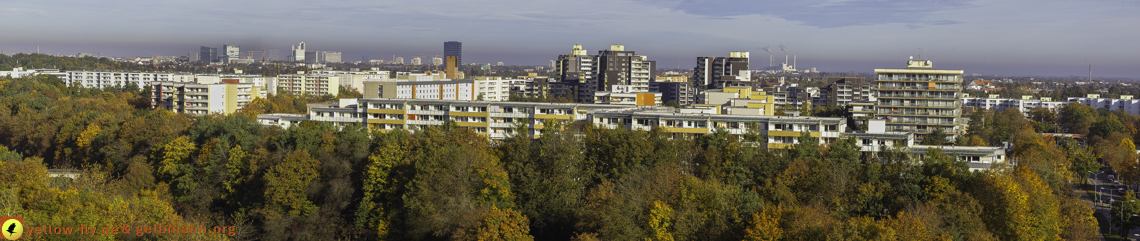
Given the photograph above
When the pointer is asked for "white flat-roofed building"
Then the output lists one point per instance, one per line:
(107, 78)
(977, 157)
(309, 84)
(281, 119)
(1024, 104)
(1125, 103)
(463, 90)
(780, 131)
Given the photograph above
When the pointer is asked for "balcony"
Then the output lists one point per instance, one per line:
(913, 112)
(900, 87)
(923, 95)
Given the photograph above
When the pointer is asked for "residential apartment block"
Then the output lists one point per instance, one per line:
(841, 91)
(462, 90)
(498, 120)
(310, 84)
(779, 131)
(1124, 103)
(201, 99)
(107, 78)
(920, 98)
(722, 72)
(1024, 104)
(495, 119)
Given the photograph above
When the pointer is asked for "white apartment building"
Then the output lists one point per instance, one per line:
(20, 72)
(494, 88)
(107, 78)
(310, 84)
(355, 79)
(1125, 103)
(1024, 104)
(461, 90)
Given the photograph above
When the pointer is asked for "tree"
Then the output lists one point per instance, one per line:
(764, 226)
(660, 218)
(935, 138)
(1125, 213)
(496, 224)
(976, 141)
(285, 184)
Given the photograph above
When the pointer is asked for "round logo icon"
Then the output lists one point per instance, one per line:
(12, 228)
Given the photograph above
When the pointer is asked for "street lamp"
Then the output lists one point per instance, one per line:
(1122, 207)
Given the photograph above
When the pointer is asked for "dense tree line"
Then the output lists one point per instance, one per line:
(313, 181)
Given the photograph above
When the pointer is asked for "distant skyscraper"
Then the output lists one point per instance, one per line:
(437, 61)
(232, 51)
(298, 52)
(330, 57)
(193, 56)
(398, 60)
(454, 48)
(311, 57)
(417, 61)
(208, 54)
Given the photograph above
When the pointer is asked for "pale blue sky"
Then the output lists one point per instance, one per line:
(1015, 37)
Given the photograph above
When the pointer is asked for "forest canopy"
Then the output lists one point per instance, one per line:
(314, 181)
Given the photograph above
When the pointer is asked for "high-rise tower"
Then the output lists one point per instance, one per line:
(452, 50)
(920, 98)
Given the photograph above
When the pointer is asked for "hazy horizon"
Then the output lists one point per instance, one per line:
(1026, 38)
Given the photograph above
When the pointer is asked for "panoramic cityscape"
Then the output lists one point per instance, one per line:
(682, 120)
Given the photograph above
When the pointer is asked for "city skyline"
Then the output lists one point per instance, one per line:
(992, 37)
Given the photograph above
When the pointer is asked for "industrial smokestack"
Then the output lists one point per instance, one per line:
(793, 61)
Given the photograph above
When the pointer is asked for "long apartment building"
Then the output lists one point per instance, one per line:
(780, 131)
(497, 120)
(107, 78)
(310, 84)
(202, 99)
(1124, 103)
(920, 98)
(1025, 104)
(481, 88)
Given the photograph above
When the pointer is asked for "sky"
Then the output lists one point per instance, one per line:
(1005, 37)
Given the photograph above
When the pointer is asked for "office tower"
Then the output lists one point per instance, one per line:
(208, 54)
(193, 56)
(721, 72)
(452, 71)
(437, 61)
(919, 98)
(298, 52)
(398, 60)
(417, 61)
(232, 51)
(454, 48)
(330, 57)
(311, 57)
(619, 67)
